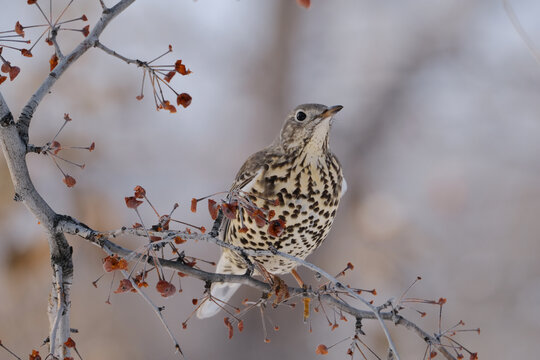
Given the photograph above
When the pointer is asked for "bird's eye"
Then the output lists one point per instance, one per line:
(301, 116)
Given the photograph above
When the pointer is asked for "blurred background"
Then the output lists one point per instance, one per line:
(438, 138)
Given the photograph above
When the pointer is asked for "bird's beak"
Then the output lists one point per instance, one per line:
(331, 111)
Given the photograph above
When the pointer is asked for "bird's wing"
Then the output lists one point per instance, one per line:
(337, 166)
(252, 170)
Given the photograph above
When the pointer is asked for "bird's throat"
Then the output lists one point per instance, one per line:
(317, 144)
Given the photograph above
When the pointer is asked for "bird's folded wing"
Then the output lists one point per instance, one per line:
(252, 168)
(247, 176)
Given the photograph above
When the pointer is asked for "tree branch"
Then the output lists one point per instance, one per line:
(57, 310)
(248, 252)
(156, 309)
(54, 39)
(113, 53)
(15, 153)
(521, 32)
(14, 144)
(72, 226)
(27, 113)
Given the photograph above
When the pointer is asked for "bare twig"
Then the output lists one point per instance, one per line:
(54, 40)
(9, 351)
(27, 113)
(111, 52)
(521, 32)
(156, 309)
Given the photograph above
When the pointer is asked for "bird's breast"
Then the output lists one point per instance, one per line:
(308, 191)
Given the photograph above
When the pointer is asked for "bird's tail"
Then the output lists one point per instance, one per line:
(221, 292)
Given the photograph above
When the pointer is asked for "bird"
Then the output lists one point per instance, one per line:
(300, 171)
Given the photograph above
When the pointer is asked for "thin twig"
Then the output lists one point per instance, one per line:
(152, 305)
(9, 351)
(28, 111)
(54, 40)
(521, 32)
(111, 52)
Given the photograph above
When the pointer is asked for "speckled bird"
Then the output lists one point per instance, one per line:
(299, 169)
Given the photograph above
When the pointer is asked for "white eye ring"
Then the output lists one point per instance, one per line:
(300, 116)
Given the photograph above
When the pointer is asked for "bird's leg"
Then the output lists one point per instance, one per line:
(298, 279)
(265, 274)
(249, 264)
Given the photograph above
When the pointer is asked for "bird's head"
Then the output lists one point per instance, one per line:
(306, 128)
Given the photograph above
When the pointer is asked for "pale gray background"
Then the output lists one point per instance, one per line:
(439, 141)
